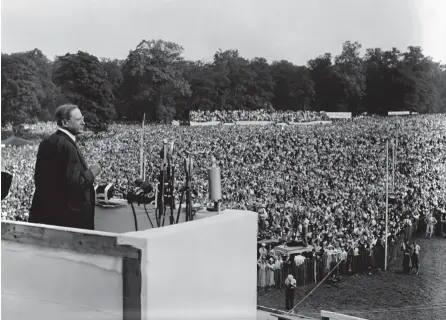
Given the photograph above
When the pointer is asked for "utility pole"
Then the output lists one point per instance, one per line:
(387, 203)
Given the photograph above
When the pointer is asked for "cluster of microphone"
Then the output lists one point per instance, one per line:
(142, 193)
(143, 187)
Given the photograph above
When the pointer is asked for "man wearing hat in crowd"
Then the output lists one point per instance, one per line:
(263, 251)
(271, 267)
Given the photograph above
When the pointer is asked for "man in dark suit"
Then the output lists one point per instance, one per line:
(64, 194)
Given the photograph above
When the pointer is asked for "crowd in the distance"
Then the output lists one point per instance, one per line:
(230, 116)
(328, 179)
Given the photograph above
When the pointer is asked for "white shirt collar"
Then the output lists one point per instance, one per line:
(68, 133)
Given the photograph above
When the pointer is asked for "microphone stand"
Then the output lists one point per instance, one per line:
(171, 187)
(170, 176)
(166, 189)
(160, 210)
(186, 190)
(134, 216)
(135, 219)
(188, 194)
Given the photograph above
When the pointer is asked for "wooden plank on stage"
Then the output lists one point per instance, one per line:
(79, 240)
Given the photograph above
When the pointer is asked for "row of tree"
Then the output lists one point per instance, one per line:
(156, 80)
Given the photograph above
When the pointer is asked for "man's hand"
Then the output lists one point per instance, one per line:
(95, 169)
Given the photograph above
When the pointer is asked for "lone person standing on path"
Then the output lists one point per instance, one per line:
(290, 286)
(415, 256)
(430, 222)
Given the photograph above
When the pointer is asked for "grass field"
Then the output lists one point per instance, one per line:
(382, 295)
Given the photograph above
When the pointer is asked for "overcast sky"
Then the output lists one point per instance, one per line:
(295, 30)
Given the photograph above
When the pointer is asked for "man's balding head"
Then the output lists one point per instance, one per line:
(69, 117)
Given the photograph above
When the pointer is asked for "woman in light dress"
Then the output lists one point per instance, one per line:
(262, 273)
(271, 267)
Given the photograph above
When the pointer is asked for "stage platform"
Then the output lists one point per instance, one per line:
(118, 276)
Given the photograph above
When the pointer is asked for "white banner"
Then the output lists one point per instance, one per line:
(398, 113)
(209, 123)
(309, 123)
(253, 123)
(339, 115)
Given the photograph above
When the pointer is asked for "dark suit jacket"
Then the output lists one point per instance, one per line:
(6, 183)
(64, 194)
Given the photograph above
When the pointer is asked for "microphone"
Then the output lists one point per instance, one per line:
(188, 165)
(165, 151)
(214, 178)
(142, 194)
(146, 187)
(172, 147)
(142, 187)
(214, 175)
(138, 182)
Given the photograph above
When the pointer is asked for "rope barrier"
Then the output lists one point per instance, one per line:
(318, 284)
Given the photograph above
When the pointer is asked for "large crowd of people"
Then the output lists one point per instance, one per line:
(324, 185)
(230, 116)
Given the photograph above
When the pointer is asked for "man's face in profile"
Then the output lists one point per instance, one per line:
(76, 122)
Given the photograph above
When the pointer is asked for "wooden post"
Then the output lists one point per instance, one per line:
(131, 288)
(141, 150)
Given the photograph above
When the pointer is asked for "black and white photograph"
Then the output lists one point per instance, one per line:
(222, 159)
